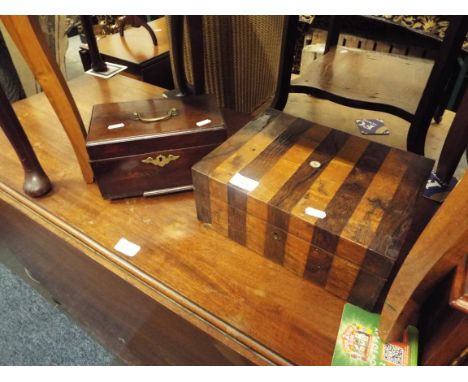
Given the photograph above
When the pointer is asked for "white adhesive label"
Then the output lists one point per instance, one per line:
(127, 247)
(315, 213)
(243, 182)
(115, 126)
(203, 123)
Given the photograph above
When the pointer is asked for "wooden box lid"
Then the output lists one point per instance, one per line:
(286, 187)
(105, 140)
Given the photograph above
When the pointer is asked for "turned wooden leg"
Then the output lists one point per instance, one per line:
(97, 63)
(28, 37)
(36, 182)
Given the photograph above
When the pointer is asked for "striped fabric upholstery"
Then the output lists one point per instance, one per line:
(242, 57)
(367, 190)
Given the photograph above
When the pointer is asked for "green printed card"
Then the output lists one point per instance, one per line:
(359, 344)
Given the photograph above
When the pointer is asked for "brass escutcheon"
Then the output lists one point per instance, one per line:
(161, 160)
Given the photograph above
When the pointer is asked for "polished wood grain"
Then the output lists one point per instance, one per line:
(190, 110)
(135, 175)
(251, 305)
(369, 83)
(119, 156)
(129, 323)
(409, 88)
(28, 37)
(136, 45)
(428, 261)
(367, 190)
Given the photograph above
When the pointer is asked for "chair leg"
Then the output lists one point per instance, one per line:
(36, 183)
(333, 33)
(455, 143)
(97, 63)
(175, 26)
(27, 35)
(447, 93)
(453, 40)
(285, 69)
(195, 35)
(458, 83)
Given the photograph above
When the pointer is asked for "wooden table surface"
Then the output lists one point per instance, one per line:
(369, 83)
(250, 304)
(136, 46)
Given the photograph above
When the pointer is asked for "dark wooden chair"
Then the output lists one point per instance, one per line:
(409, 88)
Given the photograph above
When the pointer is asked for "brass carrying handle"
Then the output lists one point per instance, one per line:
(171, 113)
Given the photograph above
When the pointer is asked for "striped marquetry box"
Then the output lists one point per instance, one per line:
(331, 207)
